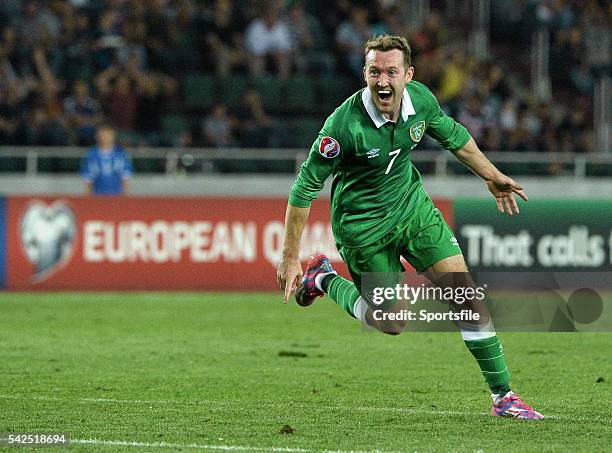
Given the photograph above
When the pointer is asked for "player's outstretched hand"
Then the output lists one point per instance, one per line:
(288, 274)
(503, 189)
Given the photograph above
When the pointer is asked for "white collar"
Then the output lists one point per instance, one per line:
(374, 113)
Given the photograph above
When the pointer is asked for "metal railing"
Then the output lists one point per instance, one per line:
(171, 161)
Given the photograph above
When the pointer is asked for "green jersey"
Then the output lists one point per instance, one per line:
(375, 185)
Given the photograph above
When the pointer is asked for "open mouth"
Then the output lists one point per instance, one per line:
(385, 95)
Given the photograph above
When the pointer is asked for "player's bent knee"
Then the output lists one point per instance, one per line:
(393, 327)
(387, 318)
(393, 330)
(384, 324)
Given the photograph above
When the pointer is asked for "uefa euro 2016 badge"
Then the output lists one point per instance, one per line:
(329, 147)
(417, 130)
(48, 235)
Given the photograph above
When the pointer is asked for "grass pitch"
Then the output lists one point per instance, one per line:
(243, 372)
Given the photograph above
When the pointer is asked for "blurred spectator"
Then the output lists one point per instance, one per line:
(117, 89)
(8, 75)
(392, 20)
(564, 14)
(217, 128)
(497, 83)
(161, 32)
(351, 36)
(547, 140)
(529, 123)
(224, 36)
(575, 134)
(155, 96)
(83, 113)
(429, 38)
(492, 140)
(267, 36)
(40, 128)
(49, 115)
(9, 47)
(75, 41)
(597, 35)
(518, 140)
(37, 23)
(473, 117)
(454, 77)
(307, 41)
(185, 37)
(10, 111)
(508, 116)
(106, 167)
(581, 78)
(255, 128)
(135, 33)
(134, 51)
(108, 40)
(10, 7)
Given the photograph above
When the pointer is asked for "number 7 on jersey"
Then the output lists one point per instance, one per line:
(393, 153)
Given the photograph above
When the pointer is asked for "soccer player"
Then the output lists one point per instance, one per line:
(380, 211)
(106, 167)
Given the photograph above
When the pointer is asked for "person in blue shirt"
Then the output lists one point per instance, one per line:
(107, 166)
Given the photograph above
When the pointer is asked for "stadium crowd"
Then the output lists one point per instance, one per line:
(68, 65)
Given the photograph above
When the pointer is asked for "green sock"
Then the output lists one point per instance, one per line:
(341, 291)
(490, 356)
(327, 280)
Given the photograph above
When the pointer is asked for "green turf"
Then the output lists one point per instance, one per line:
(234, 369)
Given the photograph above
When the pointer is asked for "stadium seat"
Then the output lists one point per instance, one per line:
(12, 164)
(58, 164)
(173, 126)
(304, 131)
(332, 91)
(199, 91)
(299, 95)
(596, 169)
(233, 88)
(269, 89)
(150, 165)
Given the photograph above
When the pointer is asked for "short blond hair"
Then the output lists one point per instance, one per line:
(388, 42)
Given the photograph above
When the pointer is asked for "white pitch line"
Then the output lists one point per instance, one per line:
(127, 443)
(403, 410)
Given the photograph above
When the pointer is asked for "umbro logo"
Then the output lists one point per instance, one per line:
(374, 152)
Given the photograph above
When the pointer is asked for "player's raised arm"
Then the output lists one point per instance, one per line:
(501, 186)
(454, 137)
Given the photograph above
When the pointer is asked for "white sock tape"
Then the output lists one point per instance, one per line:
(359, 309)
(319, 279)
(471, 332)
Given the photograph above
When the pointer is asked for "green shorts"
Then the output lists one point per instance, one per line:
(423, 240)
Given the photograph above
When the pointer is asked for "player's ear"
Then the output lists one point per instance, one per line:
(365, 77)
(409, 74)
